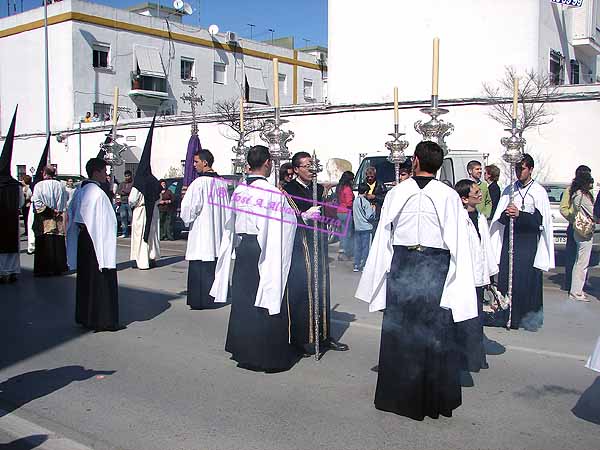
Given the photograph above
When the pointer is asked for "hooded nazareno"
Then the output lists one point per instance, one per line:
(147, 183)
(9, 196)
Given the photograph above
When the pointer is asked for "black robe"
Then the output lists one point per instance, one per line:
(527, 292)
(9, 218)
(50, 257)
(201, 276)
(302, 273)
(256, 339)
(97, 293)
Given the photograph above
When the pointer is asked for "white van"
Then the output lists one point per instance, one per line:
(453, 169)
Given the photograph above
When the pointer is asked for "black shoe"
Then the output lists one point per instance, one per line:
(335, 346)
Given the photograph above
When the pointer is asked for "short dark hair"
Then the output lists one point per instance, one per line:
(363, 188)
(298, 156)
(162, 180)
(257, 156)
(50, 171)
(528, 160)
(95, 165)
(128, 172)
(406, 166)
(463, 188)
(206, 155)
(283, 170)
(430, 155)
(26, 179)
(493, 171)
(472, 163)
(581, 169)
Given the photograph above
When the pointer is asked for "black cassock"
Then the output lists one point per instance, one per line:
(255, 339)
(527, 292)
(302, 273)
(97, 293)
(50, 256)
(201, 276)
(418, 356)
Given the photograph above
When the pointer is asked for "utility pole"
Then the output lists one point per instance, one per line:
(46, 72)
(251, 25)
(272, 35)
(306, 41)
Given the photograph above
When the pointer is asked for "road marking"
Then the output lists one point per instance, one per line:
(19, 428)
(508, 347)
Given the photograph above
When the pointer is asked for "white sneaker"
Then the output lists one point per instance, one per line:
(355, 269)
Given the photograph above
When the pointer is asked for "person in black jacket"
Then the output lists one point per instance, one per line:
(375, 193)
(492, 174)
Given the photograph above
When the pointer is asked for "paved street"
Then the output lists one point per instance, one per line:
(165, 382)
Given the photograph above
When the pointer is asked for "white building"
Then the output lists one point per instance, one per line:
(152, 60)
(390, 44)
(371, 50)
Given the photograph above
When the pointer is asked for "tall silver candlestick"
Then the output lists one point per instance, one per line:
(512, 155)
(396, 148)
(435, 129)
(315, 168)
(277, 140)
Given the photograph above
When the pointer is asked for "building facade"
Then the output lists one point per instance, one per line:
(152, 60)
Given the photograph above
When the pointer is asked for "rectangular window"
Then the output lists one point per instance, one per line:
(308, 89)
(103, 110)
(557, 68)
(100, 56)
(220, 73)
(188, 72)
(21, 171)
(574, 71)
(283, 83)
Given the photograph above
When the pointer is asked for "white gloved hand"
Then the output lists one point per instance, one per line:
(312, 212)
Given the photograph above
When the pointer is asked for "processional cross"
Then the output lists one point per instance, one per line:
(193, 99)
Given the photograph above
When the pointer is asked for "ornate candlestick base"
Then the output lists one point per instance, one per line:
(277, 140)
(436, 129)
(241, 153)
(396, 148)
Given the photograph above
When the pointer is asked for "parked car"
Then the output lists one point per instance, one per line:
(555, 192)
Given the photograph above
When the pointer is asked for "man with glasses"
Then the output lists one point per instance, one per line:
(286, 174)
(301, 279)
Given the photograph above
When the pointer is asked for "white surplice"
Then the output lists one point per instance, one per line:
(275, 230)
(593, 361)
(430, 217)
(142, 252)
(10, 263)
(51, 194)
(482, 254)
(205, 211)
(535, 197)
(91, 207)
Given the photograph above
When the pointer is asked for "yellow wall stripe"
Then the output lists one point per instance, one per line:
(110, 23)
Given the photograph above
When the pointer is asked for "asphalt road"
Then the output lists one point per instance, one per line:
(165, 382)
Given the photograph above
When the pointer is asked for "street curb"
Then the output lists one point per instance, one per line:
(28, 432)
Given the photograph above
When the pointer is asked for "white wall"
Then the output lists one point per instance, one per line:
(570, 140)
(389, 43)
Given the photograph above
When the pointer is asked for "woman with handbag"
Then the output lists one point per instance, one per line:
(582, 201)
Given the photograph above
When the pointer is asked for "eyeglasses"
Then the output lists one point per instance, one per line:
(305, 166)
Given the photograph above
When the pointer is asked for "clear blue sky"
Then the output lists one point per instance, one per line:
(303, 19)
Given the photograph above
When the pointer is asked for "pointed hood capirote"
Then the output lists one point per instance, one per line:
(6, 178)
(39, 173)
(146, 182)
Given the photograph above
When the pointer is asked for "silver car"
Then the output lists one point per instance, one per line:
(555, 192)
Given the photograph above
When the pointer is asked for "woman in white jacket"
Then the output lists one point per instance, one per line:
(470, 332)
